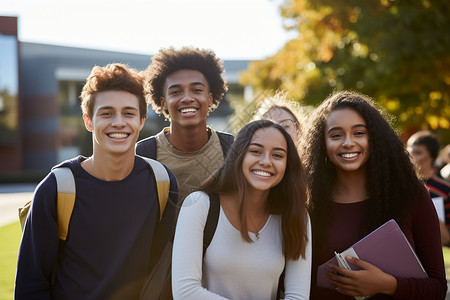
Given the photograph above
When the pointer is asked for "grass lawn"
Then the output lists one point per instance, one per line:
(9, 246)
(10, 238)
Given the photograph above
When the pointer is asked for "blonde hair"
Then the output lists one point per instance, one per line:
(280, 100)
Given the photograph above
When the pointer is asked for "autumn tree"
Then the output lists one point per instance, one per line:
(397, 52)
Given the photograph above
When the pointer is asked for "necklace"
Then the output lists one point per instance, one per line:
(257, 228)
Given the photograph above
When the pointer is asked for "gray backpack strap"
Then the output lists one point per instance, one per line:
(65, 199)
(162, 183)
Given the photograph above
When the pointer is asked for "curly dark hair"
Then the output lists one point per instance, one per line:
(169, 60)
(392, 185)
(116, 77)
(288, 198)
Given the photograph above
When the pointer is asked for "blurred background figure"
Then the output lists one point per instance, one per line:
(424, 148)
(445, 159)
(283, 111)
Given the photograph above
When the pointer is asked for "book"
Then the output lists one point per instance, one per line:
(342, 262)
(386, 247)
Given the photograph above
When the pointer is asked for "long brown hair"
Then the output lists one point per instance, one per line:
(288, 198)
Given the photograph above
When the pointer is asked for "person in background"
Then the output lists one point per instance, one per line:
(445, 170)
(282, 111)
(111, 241)
(185, 85)
(263, 227)
(424, 149)
(360, 176)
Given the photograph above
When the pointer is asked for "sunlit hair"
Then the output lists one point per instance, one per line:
(113, 77)
(288, 198)
(392, 185)
(280, 101)
(169, 60)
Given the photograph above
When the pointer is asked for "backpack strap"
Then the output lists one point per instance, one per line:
(162, 183)
(65, 202)
(211, 220)
(226, 140)
(23, 213)
(65, 199)
(147, 147)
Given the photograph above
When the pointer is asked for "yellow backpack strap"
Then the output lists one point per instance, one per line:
(162, 183)
(65, 199)
(23, 212)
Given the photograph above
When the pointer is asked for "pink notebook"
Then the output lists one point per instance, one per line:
(387, 248)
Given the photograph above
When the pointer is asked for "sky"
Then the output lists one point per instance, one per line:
(233, 29)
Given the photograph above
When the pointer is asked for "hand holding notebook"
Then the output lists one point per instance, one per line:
(387, 248)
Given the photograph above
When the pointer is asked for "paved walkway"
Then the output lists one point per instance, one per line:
(13, 196)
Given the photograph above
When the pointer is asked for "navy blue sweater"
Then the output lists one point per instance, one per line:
(107, 253)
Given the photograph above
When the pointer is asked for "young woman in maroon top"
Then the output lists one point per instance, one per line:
(360, 176)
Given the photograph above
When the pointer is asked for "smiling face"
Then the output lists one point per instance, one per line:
(347, 140)
(264, 162)
(116, 122)
(187, 98)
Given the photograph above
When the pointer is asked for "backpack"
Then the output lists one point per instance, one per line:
(147, 146)
(159, 278)
(211, 220)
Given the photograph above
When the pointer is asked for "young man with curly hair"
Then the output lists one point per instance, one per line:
(115, 227)
(185, 85)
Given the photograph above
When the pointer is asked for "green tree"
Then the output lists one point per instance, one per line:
(396, 51)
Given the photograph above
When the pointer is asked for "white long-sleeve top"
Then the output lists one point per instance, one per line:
(233, 268)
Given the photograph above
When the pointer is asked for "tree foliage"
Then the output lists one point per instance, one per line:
(396, 51)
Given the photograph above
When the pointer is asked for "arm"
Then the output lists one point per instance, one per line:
(298, 273)
(445, 234)
(39, 245)
(427, 241)
(424, 231)
(187, 255)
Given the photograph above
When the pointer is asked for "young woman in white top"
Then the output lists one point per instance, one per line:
(263, 226)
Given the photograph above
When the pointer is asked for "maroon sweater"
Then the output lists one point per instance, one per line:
(421, 230)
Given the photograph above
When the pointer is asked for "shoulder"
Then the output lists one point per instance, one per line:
(226, 140)
(423, 206)
(48, 185)
(224, 136)
(441, 181)
(149, 162)
(147, 145)
(44, 196)
(196, 199)
(160, 173)
(194, 209)
(72, 163)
